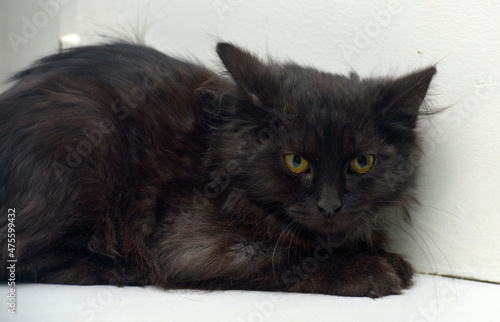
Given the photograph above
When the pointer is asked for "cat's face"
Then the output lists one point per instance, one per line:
(331, 151)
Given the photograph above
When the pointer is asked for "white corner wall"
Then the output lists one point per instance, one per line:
(455, 231)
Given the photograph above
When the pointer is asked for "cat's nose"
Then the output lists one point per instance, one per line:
(329, 206)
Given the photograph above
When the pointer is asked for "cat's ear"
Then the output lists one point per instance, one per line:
(402, 98)
(247, 71)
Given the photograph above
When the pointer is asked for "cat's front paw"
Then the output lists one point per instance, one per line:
(373, 276)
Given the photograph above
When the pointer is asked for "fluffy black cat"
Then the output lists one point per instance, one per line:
(121, 165)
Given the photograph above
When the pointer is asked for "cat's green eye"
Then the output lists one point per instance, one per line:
(362, 164)
(296, 163)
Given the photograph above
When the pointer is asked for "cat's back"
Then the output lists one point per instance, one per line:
(97, 133)
(86, 99)
(119, 78)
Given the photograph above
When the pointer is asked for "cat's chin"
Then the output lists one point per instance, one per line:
(338, 223)
(331, 227)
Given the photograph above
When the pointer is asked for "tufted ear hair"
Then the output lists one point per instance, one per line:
(252, 76)
(400, 99)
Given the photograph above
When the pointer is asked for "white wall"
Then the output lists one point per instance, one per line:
(27, 32)
(455, 232)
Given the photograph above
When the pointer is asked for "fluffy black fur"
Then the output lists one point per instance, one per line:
(125, 166)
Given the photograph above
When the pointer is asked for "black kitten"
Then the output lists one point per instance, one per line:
(124, 166)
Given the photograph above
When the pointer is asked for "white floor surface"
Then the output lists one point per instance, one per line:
(430, 299)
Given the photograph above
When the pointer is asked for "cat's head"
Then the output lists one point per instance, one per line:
(329, 152)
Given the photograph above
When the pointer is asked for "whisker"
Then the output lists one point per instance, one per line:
(285, 231)
(431, 264)
(425, 251)
(425, 233)
(277, 212)
(442, 210)
(435, 244)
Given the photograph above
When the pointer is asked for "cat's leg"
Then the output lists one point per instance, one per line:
(350, 273)
(65, 271)
(255, 266)
(193, 253)
(62, 265)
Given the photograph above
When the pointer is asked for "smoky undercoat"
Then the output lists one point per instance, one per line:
(129, 167)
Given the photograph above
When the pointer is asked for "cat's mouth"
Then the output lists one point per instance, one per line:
(338, 222)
